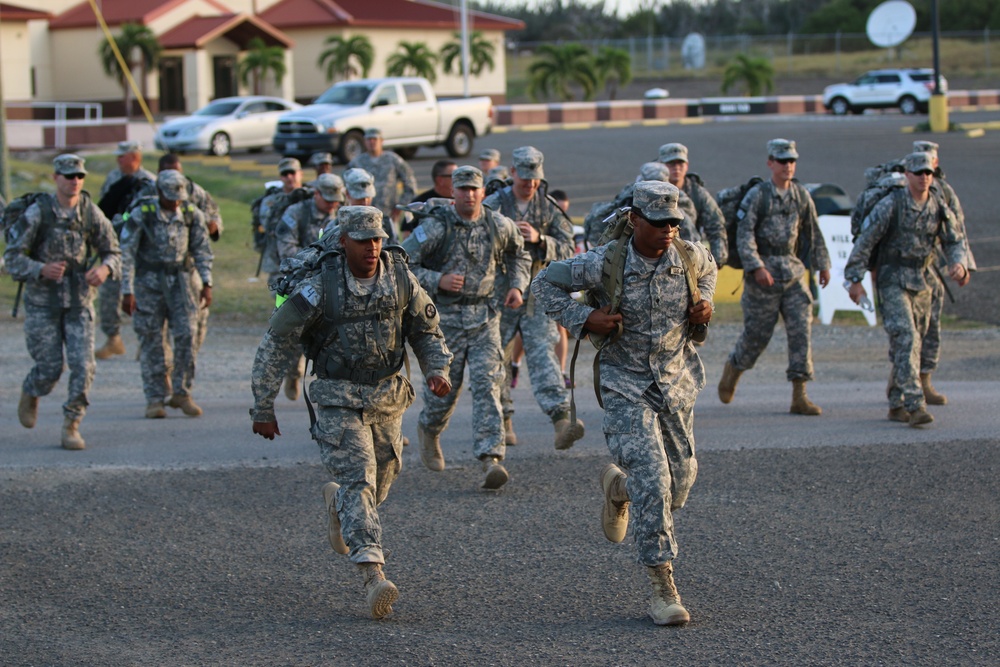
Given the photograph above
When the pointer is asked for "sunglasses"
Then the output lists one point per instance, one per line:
(924, 172)
(287, 173)
(659, 224)
(785, 160)
(73, 177)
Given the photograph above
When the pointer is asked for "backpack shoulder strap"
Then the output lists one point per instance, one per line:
(689, 269)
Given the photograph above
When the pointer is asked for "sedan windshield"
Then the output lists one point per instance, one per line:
(217, 109)
(346, 95)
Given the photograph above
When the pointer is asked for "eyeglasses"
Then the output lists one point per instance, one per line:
(659, 224)
(73, 177)
(785, 160)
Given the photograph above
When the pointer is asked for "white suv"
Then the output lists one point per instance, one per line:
(908, 89)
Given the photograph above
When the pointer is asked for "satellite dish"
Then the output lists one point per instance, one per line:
(891, 23)
(693, 51)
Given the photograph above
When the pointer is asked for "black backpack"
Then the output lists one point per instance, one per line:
(729, 201)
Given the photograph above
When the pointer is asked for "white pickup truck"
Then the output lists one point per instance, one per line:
(404, 108)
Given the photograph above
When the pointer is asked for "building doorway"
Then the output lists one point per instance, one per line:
(224, 69)
(172, 85)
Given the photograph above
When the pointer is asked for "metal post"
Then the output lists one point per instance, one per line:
(938, 106)
(465, 48)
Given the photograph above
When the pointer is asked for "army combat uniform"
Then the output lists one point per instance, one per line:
(390, 171)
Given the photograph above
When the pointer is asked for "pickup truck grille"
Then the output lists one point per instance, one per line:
(296, 127)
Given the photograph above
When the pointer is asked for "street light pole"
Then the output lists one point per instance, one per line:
(939, 102)
(465, 47)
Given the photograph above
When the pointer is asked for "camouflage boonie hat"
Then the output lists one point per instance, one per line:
(490, 154)
(126, 147)
(467, 177)
(361, 223)
(360, 183)
(498, 174)
(330, 187)
(320, 158)
(781, 149)
(671, 152)
(925, 147)
(919, 162)
(528, 163)
(289, 164)
(656, 200)
(653, 171)
(172, 185)
(67, 164)
(373, 132)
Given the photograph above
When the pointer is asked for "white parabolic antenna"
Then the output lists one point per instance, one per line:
(891, 23)
(693, 51)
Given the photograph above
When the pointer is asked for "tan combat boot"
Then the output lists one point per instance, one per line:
(71, 438)
(899, 415)
(27, 410)
(567, 432)
(430, 449)
(496, 474)
(920, 416)
(154, 410)
(113, 347)
(931, 395)
(801, 405)
(665, 606)
(614, 514)
(333, 521)
(186, 404)
(727, 385)
(509, 437)
(379, 591)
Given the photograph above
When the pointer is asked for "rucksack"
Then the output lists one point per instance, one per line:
(729, 201)
(15, 209)
(877, 189)
(263, 228)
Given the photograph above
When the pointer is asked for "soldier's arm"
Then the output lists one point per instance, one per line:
(200, 249)
(952, 235)
(131, 238)
(557, 239)
(21, 239)
(105, 242)
(286, 233)
(421, 326)
(712, 223)
(746, 239)
(516, 258)
(819, 256)
(874, 228)
(421, 244)
(207, 205)
(706, 270)
(408, 180)
(553, 286)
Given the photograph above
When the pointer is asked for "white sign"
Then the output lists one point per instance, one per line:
(836, 230)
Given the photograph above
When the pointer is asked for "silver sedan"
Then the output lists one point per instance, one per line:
(226, 124)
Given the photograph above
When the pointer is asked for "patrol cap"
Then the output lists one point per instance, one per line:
(498, 174)
(359, 183)
(373, 132)
(289, 164)
(921, 146)
(67, 164)
(320, 158)
(656, 200)
(528, 162)
(467, 177)
(916, 162)
(126, 147)
(172, 185)
(653, 171)
(671, 152)
(781, 149)
(490, 154)
(330, 187)
(361, 223)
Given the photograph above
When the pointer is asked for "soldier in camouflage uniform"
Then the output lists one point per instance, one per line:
(273, 207)
(129, 157)
(359, 390)
(48, 248)
(390, 172)
(779, 242)
(489, 160)
(323, 164)
(548, 236)
(906, 225)
(360, 187)
(708, 218)
(649, 378)
(160, 240)
(303, 223)
(458, 257)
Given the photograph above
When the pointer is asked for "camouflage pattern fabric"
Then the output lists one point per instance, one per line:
(358, 425)
(390, 172)
(538, 332)
(594, 226)
(60, 315)
(300, 225)
(650, 378)
(708, 218)
(470, 319)
(761, 306)
(155, 247)
(197, 196)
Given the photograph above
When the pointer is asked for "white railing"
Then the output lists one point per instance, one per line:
(93, 114)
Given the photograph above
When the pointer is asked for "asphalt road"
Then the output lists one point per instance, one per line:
(843, 539)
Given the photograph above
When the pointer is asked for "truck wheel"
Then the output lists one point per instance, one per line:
(459, 143)
(351, 145)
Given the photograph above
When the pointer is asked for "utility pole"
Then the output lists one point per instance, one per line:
(465, 48)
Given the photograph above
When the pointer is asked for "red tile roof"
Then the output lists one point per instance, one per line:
(381, 14)
(10, 12)
(117, 12)
(240, 28)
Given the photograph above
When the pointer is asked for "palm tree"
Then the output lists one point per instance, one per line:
(347, 57)
(614, 67)
(414, 58)
(139, 48)
(261, 59)
(559, 66)
(481, 52)
(756, 73)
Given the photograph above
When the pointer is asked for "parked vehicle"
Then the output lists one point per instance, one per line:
(908, 89)
(224, 125)
(404, 108)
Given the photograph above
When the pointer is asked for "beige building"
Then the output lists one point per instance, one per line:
(49, 48)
